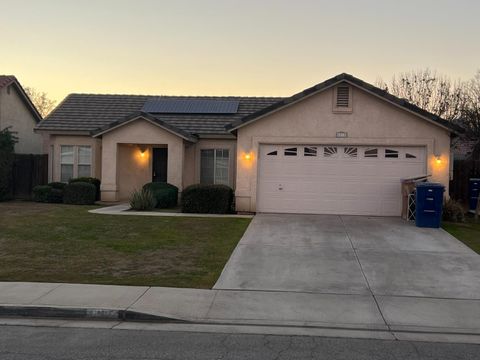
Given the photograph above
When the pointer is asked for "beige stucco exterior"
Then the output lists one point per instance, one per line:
(372, 121)
(117, 153)
(14, 113)
(52, 144)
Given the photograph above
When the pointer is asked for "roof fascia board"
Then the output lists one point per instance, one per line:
(191, 139)
(335, 84)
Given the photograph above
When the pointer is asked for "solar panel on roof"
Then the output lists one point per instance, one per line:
(190, 106)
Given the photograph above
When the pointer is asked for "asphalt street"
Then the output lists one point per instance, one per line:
(26, 343)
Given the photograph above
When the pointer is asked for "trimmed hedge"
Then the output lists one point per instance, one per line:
(166, 194)
(207, 199)
(47, 194)
(90, 180)
(57, 185)
(79, 193)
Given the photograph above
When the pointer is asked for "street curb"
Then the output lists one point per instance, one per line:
(82, 313)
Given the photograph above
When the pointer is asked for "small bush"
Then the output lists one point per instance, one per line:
(207, 199)
(142, 200)
(453, 211)
(90, 180)
(79, 193)
(55, 196)
(165, 194)
(57, 185)
(41, 193)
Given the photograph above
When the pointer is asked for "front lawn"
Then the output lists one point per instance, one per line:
(65, 243)
(468, 233)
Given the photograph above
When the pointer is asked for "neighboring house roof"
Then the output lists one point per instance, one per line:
(88, 113)
(354, 81)
(464, 147)
(146, 116)
(7, 80)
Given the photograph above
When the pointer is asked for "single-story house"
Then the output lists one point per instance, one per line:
(339, 147)
(18, 113)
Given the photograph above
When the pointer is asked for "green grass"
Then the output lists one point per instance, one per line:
(468, 233)
(65, 243)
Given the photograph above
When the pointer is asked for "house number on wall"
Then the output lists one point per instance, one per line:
(342, 134)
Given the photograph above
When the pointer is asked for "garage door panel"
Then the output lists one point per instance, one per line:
(338, 180)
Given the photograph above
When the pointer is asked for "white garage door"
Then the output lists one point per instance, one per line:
(332, 179)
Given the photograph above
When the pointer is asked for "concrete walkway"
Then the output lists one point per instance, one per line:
(124, 209)
(393, 318)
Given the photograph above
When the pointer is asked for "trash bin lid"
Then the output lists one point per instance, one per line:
(430, 185)
(474, 179)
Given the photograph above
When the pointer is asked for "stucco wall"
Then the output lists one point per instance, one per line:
(312, 121)
(14, 113)
(52, 144)
(120, 158)
(192, 159)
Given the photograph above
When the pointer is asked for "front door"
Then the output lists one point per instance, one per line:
(159, 165)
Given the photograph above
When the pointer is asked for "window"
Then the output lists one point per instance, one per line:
(272, 153)
(66, 163)
(371, 153)
(214, 166)
(329, 151)
(410, 156)
(389, 153)
(310, 151)
(75, 161)
(84, 161)
(290, 152)
(351, 152)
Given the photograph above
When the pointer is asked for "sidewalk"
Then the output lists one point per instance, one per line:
(383, 317)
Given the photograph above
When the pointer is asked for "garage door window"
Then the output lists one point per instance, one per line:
(214, 166)
(329, 151)
(310, 151)
(290, 152)
(371, 153)
(391, 154)
(350, 152)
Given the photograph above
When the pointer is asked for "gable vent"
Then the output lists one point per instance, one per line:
(343, 96)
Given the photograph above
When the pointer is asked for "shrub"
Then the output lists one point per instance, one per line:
(142, 200)
(453, 211)
(165, 194)
(79, 193)
(55, 196)
(41, 193)
(7, 145)
(207, 199)
(57, 185)
(90, 180)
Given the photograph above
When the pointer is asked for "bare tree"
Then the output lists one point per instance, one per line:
(471, 113)
(430, 91)
(41, 100)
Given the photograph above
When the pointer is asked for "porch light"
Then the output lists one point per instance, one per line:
(438, 159)
(143, 149)
(247, 156)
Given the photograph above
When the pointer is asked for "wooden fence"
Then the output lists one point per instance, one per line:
(28, 171)
(463, 170)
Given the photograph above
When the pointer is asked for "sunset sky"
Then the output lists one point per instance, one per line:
(230, 47)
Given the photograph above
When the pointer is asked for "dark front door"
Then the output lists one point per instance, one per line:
(160, 159)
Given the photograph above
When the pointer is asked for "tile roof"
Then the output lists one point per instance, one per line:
(92, 112)
(6, 80)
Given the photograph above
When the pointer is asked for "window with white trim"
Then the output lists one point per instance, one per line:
(66, 162)
(75, 161)
(215, 166)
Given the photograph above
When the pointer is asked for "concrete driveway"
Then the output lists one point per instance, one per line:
(407, 271)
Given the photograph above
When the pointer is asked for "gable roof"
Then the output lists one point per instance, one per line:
(87, 113)
(383, 94)
(148, 117)
(7, 80)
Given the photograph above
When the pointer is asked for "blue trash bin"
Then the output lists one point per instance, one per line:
(473, 193)
(429, 204)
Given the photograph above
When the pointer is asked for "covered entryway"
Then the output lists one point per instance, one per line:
(335, 179)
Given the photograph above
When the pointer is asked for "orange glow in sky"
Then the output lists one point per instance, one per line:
(230, 47)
